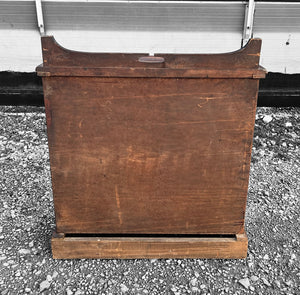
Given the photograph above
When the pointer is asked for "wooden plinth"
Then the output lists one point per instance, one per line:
(145, 247)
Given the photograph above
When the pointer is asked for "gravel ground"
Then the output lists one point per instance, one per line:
(27, 222)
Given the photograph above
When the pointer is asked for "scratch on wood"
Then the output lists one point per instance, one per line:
(48, 90)
(200, 105)
(118, 205)
(215, 95)
(210, 97)
(48, 111)
(80, 125)
(187, 225)
(191, 122)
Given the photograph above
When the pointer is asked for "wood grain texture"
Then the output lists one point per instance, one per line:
(132, 248)
(152, 72)
(174, 152)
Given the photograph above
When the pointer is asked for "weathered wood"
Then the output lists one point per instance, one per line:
(57, 56)
(174, 152)
(150, 148)
(151, 73)
(139, 247)
(58, 61)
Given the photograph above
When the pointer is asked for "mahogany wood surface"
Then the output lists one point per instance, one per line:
(150, 155)
(132, 248)
(149, 148)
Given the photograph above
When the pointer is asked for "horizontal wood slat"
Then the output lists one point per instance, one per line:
(151, 73)
(132, 248)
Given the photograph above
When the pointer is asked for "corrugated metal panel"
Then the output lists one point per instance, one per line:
(18, 15)
(141, 16)
(277, 17)
(125, 16)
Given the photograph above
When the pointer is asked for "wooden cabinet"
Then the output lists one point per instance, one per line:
(150, 156)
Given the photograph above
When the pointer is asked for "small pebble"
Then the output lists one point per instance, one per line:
(266, 193)
(277, 283)
(12, 214)
(44, 286)
(38, 273)
(265, 281)
(24, 251)
(173, 289)
(245, 282)
(267, 119)
(124, 288)
(289, 283)
(193, 282)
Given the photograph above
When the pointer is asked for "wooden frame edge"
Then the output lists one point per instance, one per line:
(148, 247)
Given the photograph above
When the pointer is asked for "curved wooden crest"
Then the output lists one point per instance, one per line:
(243, 63)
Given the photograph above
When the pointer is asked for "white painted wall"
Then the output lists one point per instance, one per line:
(276, 55)
(20, 50)
(148, 41)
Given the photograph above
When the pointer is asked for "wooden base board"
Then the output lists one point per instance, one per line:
(149, 247)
